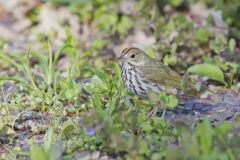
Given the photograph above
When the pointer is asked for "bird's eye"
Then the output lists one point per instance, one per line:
(133, 56)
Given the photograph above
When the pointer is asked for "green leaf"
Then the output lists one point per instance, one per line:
(151, 52)
(68, 128)
(37, 153)
(3, 127)
(101, 74)
(211, 71)
(99, 82)
(168, 101)
(124, 25)
(2, 124)
(205, 134)
(99, 63)
(219, 43)
(232, 44)
(15, 79)
(143, 147)
(174, 47)
(69, 93)
(10, 60)
(172, 101)
(56, 151)
(170, 60)
(117, 70)
(202, 35)
(153, 96)
(99, 44)
(114, 103)
(48, 139)
(98, 105)
(176, 3)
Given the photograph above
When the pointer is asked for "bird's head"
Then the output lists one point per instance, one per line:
(133, 56)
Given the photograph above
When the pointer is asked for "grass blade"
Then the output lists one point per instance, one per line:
(15, 79)
(29, 71)
(10, 61)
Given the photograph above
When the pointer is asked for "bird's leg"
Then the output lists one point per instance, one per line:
(154, 110)
(130, 100)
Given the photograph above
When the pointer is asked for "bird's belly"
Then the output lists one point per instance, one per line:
(138, 85)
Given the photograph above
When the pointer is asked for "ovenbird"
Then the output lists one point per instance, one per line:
(142, 73)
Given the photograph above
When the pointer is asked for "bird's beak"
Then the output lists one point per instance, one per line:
(120, 60)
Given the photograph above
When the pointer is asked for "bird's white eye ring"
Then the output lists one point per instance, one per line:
(133, 55)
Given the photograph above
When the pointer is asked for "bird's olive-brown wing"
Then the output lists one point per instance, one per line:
(160, 74)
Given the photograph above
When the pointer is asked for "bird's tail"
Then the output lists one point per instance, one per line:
(191, 89)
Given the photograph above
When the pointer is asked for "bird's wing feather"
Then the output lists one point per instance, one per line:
(162, 75)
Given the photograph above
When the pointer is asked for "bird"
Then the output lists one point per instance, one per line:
(142, 74)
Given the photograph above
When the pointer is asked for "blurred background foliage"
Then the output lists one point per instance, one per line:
(68, 101)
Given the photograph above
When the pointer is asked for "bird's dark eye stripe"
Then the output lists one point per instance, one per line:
(130, 64)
